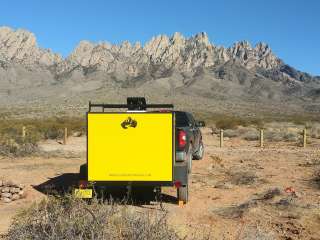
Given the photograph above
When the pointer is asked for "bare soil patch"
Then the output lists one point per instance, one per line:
(237, 192)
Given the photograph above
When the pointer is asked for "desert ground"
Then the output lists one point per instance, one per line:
(240, 191)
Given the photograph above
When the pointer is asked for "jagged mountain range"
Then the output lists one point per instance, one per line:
(165, 67)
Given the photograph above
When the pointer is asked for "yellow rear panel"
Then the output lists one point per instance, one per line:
(130, 146)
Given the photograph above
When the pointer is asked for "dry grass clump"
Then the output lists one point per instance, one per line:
(252, 135)
(243, 178)
(273, 131)
(281, 135)
(234, 122)
(283, 131)
(51, 128)
(228, 121)
(69, 218)
(314, 129)
(231, 133)
(13, 145)
(316, 179)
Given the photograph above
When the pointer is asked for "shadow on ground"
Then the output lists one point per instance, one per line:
(64, 184)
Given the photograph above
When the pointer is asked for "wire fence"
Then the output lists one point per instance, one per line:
(264, 137)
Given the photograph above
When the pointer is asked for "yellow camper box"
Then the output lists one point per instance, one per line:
(130, 146)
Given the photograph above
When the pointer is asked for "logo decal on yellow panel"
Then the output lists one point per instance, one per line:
(129, 122)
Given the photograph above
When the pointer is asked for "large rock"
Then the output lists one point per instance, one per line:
(11, 191)
(15, 197)
(6, 195)
(5, 189)
(6, 200)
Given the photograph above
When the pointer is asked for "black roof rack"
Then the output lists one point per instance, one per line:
(133, 103)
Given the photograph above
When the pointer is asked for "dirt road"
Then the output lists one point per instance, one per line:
(237, 192)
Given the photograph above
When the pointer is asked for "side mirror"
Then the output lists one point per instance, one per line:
(201, 124)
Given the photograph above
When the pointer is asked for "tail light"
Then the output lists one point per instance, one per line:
(177, 184)
(182, 139)
(83, 184)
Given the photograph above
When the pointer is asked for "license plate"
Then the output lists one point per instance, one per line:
(83, 193)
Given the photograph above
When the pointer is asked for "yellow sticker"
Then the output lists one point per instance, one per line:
(83, 193)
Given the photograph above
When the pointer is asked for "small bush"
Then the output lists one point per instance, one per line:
(231, 133)
(229, 123)
(53, 133)
(273, 136)
(243, 178)
(290, 137)
(69, 218)
(17, 150)
(315, 130)
(252, 136)
(38, 129)
(282, 135)
(13, 145)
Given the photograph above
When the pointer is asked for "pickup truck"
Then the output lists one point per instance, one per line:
(189, 145)
(139, 148)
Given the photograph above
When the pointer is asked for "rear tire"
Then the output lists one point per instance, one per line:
(183, 193)
(199, 154)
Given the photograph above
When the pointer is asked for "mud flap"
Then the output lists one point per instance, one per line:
(181, 174)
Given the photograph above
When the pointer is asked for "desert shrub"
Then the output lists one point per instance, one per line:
(273, 136)
(12, 149)
(229, 123)
(51, 128)
(314, 130)
(233, 122)
(282, 135)
(251, 135)
(69, 218)
(231, 133)
(12, 144)
(53, 132)
(290, 137)
(243, 178)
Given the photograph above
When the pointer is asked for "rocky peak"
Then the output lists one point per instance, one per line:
(156, 46)
(21, 46)
(262, 47)
(177, 39)
(178, 52)
(171, 52)
(82, 53)
(259, 56)
(202, 38)
(137, 46)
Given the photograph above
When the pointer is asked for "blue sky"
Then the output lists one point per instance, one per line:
(290, 27)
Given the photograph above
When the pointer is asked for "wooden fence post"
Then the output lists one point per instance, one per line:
(65, 136)
(23, 133)
(221, 138)
(304, 137)
(261, 138)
